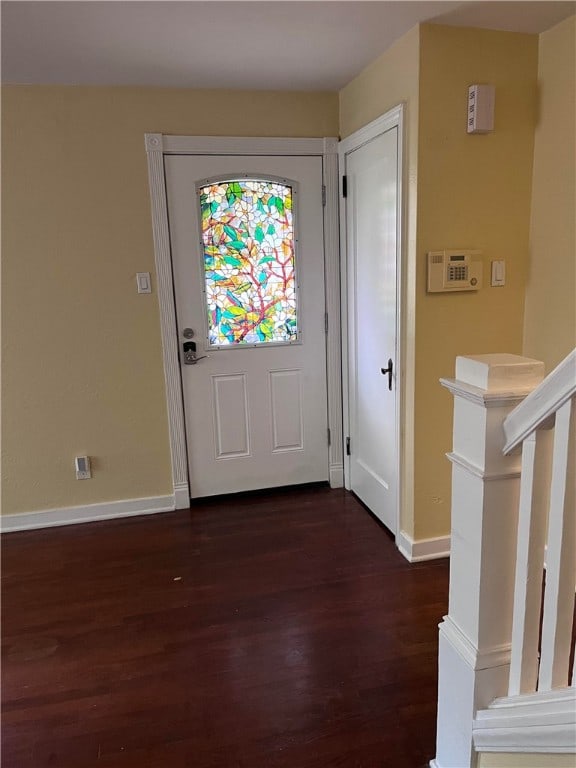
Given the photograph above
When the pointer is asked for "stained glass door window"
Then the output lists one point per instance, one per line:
(248, 255)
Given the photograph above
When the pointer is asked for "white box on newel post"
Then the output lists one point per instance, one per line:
(474, 643)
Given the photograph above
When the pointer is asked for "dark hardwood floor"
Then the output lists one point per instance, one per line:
(270, 631)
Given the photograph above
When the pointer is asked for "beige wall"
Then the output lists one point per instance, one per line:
(519, 760)
(473, 192)
(550, 319)
(82, 364)
(390, 80)
(81, 350)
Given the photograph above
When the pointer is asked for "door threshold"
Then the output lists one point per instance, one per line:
(281, 490)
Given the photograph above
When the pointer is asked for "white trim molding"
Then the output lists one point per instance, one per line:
(181, 495)
(416, 551)
(174, 402)
(475, 638)
(336, 475)
(381, 124)
(538, 722)
(333, 334)
(88, 513)
(232, 145)
(482, 397)
(159, 145)
(497, 656)
(454, 458)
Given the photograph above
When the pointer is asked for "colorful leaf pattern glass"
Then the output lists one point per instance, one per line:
(248, 242)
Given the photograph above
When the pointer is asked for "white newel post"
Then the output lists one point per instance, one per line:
(474, 643)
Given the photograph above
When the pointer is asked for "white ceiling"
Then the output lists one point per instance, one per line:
(217, 44)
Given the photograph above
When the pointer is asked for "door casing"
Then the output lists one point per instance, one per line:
(392, 118)
(157, 146)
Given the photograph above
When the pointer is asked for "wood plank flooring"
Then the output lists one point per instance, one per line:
(281, 630)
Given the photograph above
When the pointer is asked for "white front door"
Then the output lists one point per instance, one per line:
(372, 210)
(248, 262)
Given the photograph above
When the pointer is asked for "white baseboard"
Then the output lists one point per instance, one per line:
(49, 518)
(422, 549)
(336, 476)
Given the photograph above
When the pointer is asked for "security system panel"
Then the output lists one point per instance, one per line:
(454, 271)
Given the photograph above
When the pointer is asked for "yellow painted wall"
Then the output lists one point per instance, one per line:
(550, 315)
(82, 362)
(81, 350)
(464, 192)
(388, 81)
(473, 192)
(518, 760)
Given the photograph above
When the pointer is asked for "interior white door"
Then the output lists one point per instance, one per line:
(255, 410)
(372, 211)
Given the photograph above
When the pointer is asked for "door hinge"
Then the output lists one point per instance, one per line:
(329, 437)
(325, 322)
(347, 446)
(323, 195)
(344, 186)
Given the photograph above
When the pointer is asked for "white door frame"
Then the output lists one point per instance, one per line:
(157, 146)
(391, 119)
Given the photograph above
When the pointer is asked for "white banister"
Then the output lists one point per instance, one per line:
(529, 564)
(561, 557)
(505, 647)
(542, 404)
(540, 710)
(474, 642)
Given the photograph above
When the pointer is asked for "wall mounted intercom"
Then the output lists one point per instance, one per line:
(454, 271)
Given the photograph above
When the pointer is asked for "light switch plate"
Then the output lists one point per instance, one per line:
(143, 282)
(498, 273)
(83, 470)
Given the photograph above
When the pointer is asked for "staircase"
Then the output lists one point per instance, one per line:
(506, 647)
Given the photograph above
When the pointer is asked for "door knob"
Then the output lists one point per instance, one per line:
(389, 372)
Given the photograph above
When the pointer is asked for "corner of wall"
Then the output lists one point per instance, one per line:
(549, 332)
(473, 192)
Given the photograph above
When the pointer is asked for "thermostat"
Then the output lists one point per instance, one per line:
(454, 271)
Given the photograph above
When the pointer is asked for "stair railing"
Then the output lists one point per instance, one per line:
(507, 635)
(546, 533)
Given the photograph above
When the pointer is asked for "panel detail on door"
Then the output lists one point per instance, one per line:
(286, 409)
(232, 432)
(377, 478)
